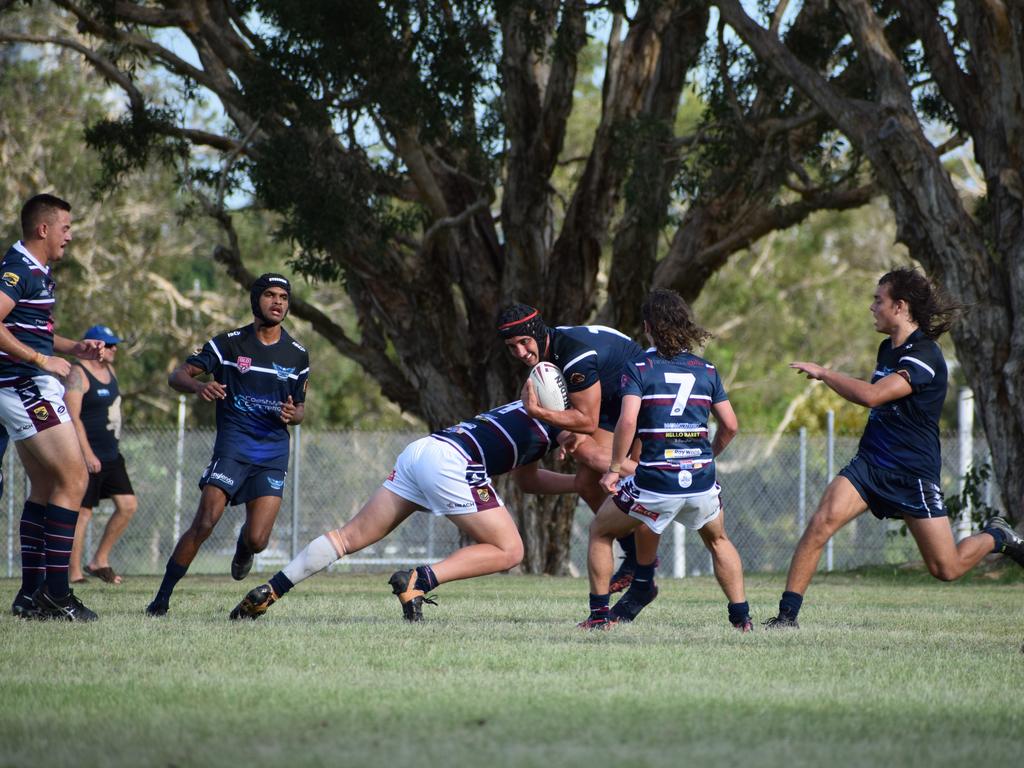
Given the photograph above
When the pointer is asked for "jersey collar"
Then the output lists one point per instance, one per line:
(20, 248)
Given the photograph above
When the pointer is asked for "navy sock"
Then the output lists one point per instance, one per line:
(280, 583)
(789, 605)
(599, 604)
(241, 548)
(172, 575)
(999, 536)
(425, 578)
(739, 612)
(59, 532)
(33, 550)
(628, 544)
(643, 577)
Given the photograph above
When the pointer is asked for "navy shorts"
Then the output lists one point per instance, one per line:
(111, 480)
(892, 494)
(243, 482)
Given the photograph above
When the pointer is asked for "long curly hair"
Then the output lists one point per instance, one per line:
(671, 324)
(930, 307)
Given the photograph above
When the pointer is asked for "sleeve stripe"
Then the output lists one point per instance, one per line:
(575, 360)
(213, 346)
(914, 360)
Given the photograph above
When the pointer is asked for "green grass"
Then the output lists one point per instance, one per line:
(888, 668)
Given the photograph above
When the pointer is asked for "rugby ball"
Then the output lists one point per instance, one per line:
(549, 384)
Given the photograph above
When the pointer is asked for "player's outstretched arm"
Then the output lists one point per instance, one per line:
(533, 479)
(857, 391)
(83, 349)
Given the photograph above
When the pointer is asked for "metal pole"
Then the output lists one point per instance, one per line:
(8, 481)
(830, 453)
(801, 510)
(296, 481)
(179, 467)
(965, 443)
(679, 552)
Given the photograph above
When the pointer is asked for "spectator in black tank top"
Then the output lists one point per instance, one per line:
(94, 402)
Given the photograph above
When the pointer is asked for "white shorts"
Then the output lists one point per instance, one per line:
(442, 479)
(30, 405)
(657, 510)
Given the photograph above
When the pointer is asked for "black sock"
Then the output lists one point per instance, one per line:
(789, 605)
(59, 532)
(999, 536)
(33, 550)
(242, 550)
(280, 583)
(425, 578)
(628, 544)
(172, 576)
(643, 577)
(739, 612)
(599, 604)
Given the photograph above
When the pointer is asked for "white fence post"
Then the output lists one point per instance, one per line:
(830, 453)
(179, 468)
(965, 443)
(801, 510)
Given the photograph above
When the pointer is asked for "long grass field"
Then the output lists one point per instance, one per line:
(889, 668)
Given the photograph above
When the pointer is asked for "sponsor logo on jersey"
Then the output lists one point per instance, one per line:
(282, 372)
(220, 476)
(685, 479)
(640, 509)
(234, 333)
(576, 378)
(244, 363)
(688, 435)
(252, 404)
(41, 413)
(277, 485)
(298, 346)
(9, 278)
(681, 453)
(693, 363)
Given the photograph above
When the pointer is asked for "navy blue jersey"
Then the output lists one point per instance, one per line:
(101, 415)
(592, 353)
(258, 378)
(501, 439)
(903, 435)
(29, 285)
(675, 403)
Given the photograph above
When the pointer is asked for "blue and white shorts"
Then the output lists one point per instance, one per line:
(892, 494)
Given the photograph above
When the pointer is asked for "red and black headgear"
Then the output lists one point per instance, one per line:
(524, 320)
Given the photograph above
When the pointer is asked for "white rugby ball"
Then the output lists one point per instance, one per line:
(549, 384)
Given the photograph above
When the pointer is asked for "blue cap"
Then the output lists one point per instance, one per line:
(103, 333)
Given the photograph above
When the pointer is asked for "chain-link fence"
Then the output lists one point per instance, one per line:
(770, 484)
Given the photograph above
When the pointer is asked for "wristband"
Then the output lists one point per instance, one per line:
(39, 359)
(616, 468)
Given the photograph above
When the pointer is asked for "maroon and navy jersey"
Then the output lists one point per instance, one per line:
(29, 285)
(903, 435)
(588, 354)
(675, 403)
(258, 378)
(501, 439)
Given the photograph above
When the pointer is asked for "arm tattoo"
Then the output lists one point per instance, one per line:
(75, 381)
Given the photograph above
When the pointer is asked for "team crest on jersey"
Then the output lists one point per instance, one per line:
(244, 363)
(41, 413)
(282, 372)
(9, 278)
(577, 378)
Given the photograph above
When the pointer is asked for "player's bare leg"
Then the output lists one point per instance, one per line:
(840, 504)
(609, 524)
(947, 560)
(260, 515)
(498, 547)
(728, 571)
(384, 512)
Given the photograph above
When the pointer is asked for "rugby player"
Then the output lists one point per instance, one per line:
(668, 394)
(32, 410)
(895, 472)
(591, 358)
(259, 374)
(446, 473)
